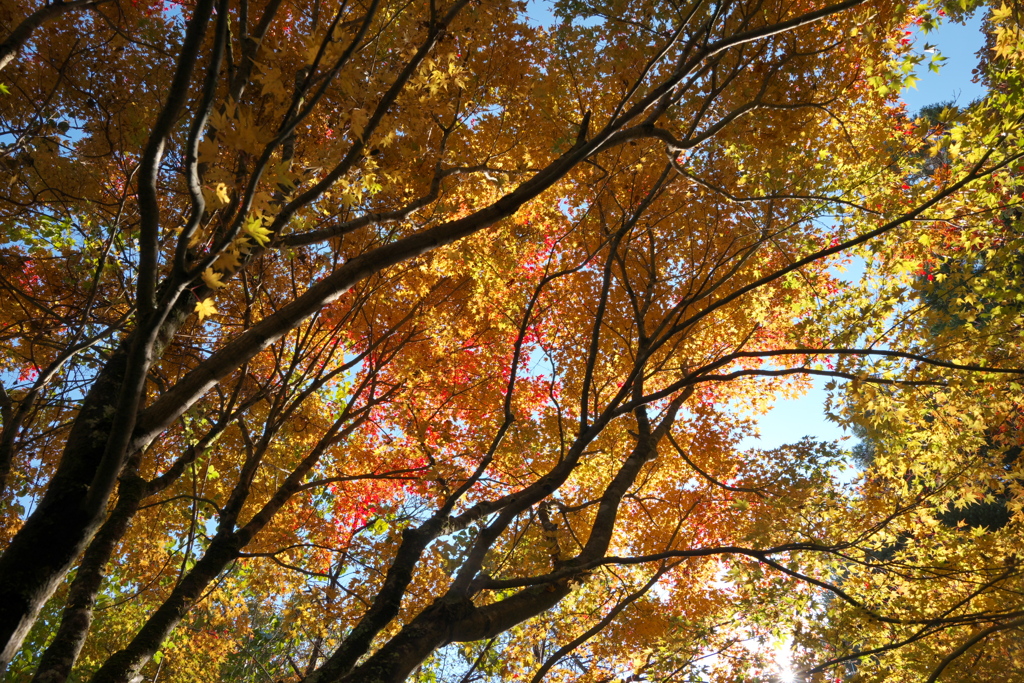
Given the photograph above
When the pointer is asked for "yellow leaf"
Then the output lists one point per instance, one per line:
(229, 261)
(241, 245)
(358, 122)
(254, 228)
(212, 279)
(1002, 13)
(205, 308)
(208, 149)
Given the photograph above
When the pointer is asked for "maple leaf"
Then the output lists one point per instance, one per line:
(213, 279)
(254, 228)
(1001, 13)
(205, 308)
(358, 122)
(229, 261)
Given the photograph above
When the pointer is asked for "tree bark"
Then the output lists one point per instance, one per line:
(448, 620)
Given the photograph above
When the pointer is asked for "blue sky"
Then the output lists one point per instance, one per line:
(959, 44)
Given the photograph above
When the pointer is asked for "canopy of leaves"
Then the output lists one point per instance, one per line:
(375, 340)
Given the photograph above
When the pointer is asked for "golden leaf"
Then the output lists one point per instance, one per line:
(205, 309)
(212, 279)
(254, 228)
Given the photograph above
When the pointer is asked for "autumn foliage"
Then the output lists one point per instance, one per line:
(368, 340)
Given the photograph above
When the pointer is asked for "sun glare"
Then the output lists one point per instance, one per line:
(784, 661)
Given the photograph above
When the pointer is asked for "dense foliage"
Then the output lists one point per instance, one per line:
(378, 340)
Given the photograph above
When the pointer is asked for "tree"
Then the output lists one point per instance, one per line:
(953, 447)
(338, 335)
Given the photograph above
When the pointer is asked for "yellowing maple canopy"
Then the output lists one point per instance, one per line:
(367, 341)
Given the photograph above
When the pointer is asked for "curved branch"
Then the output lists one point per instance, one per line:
(21, 33)
(969, 643)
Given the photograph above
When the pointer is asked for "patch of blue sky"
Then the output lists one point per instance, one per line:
(542, 13)
(959, 43)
